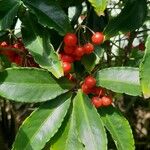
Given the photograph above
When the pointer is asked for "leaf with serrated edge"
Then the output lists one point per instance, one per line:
(89, 125)
(50, 14)
(42, 124)
(31, 85)
(118, 127)
(39, 45)
(120, 80)
(145, 71)
(99, 6)
(68, 140)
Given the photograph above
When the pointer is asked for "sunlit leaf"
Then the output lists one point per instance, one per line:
(31, 85)
(38, 43)
(145, 71)
(99, 6)
(118, 127)
(120, 80)
(89, 125)
(42, 124)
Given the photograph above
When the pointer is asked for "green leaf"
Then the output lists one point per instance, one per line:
(131, 17)
(39, 45)
(118, 127)
(8, 12)
(120, 80)
(31, 85)
(4, 63)
(50, 14)
(6, 5)
(73, 142)
(145, 71)
(42, 124)
(69, 139)
(99, 6)
(89, 125)
(94, 58)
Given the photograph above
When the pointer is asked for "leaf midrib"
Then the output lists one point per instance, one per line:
(112, 128)
(38, 39)
(86, 119)
(37, 131)
(36, 35)
(71, 127)
(117, 81)
(29, 84)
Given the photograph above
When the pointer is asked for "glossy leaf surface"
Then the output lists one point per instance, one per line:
(118, 127)
(120, 80)
(31, 85)
(89, 125)
(145, 71)
(40, 46)
(42, 124)
(50, 14)
(67, 138)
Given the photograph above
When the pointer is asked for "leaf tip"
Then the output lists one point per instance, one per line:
(146, 95)
(101, 13)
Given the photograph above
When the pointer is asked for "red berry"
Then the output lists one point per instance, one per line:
(4, 44)
(69, 49)
(79, 51)
(85, 88)
(97, 38)
(66, 58)
(88, 48)
(97, 102)
(66, 67)
(141, 46)
(16, 45)
(19, 45)
(106, 100)
(90, 81)
(70, 77)
(98, 91)
(70, 39)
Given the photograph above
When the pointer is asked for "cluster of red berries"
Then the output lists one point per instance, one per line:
(12, 55)
(73, 52)
(17, 53)
(100, 98)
